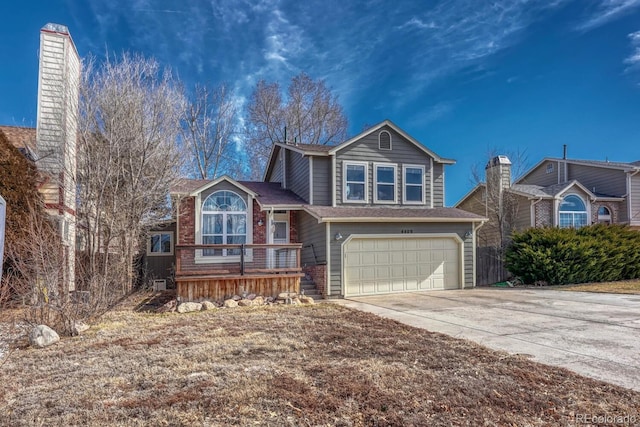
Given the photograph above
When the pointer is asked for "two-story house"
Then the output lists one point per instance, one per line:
(556, 192)
(363, 217)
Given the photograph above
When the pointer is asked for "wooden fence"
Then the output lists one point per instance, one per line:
(490, 266)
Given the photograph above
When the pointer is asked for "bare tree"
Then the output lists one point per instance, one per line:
(209, 126)
(128, 158)
(310, 114)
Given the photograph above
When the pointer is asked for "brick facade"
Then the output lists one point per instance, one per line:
(259, 231)
(187, 221)
(544, 213)
(318, 274)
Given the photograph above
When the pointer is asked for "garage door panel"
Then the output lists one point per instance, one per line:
(400, 264)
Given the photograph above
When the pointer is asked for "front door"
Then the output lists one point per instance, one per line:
(279, 235)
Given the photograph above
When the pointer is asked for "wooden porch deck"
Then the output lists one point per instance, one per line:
(217, 272)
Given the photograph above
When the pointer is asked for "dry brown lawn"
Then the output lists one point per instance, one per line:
(623, 287)
(288, 365)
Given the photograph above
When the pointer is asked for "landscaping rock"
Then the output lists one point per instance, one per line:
(258, 300)
(295, 301)
(269, 300)
(188, 307)
(251, 297)
(306, 300)
(208, 305)
(287, 295)
(230, 303)
(79, 327)
(43, 336)
(245, 303)
(236, 297)
(169, 306)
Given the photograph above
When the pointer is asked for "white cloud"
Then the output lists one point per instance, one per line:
(634, 59)
(607, 11)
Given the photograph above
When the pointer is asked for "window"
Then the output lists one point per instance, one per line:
(384, 140)
(549, 167)
(413, 184)
(355, 182)
(573, 212)
(224, 221)
(160, 243)
(385, 183)
(604, 215)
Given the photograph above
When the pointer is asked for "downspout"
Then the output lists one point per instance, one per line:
(533, 211)
(334, 180)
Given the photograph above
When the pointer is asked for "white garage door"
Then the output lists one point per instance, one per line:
(400, 264)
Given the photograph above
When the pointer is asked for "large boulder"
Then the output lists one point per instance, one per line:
(258, 300)
(230, 303)
(245, 303)
(43, 336)
(188, 307)
(208, 305)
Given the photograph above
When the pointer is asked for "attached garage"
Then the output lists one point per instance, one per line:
(389, 264)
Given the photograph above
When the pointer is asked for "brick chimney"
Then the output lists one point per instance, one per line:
(498, 174)
(58, 87)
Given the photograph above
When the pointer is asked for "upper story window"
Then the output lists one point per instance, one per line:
(355, 182)
(160, 243)
(573, 212)
(385, 181)
(384, 140)
(224, 221)
(549, 167)
(604, 215)
(413, 184)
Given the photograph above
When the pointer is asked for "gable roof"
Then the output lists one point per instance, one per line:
(622, 166)
(405, 135)
(390, 214)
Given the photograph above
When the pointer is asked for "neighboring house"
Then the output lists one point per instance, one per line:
(52, 144)
(364, 217)
(556, 192)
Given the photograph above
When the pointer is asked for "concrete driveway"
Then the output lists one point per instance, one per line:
(597, 335)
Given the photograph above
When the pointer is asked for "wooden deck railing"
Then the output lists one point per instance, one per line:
(237, 260)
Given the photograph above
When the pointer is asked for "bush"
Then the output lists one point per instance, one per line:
(597, 253)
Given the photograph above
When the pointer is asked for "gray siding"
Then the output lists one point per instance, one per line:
(604, 181)
(634, 199)
(366, 150)
(346, 229)
(224, 185)
(312, 234)
(276, 172)
(297, 170)
(539, 176)
(438, 185)
(322, 181)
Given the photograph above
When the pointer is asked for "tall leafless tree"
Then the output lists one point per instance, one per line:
(309, 114)
(209, 126)
(129, 120)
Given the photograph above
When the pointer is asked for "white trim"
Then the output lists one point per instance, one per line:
(217, 181)
(310, 180)
(404, 185)
(283, 160)
(431, 182)
(630, 176)
(453, 236)
(587, 207)
(334, 180)
(328, 248)
(160, 254)
(376, 165)
(345, 164)
(390, 140)
(444, 195)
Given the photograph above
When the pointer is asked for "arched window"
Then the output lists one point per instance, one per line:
(384, 140)
(224, 221)
(573, 212)
(604, 215)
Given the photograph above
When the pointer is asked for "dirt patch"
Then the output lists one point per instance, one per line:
(622, 287)
(318, 365)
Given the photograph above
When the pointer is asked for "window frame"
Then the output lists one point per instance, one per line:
(160, 233)
(376, 183)
(573, 213)
(380, 147)
(604, 218)
(405, 184)
(345, 182)
(201, 257)
(550, 167)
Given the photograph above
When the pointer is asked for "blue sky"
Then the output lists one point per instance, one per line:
(464, 77)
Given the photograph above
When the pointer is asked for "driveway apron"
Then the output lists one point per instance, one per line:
(596, 335)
